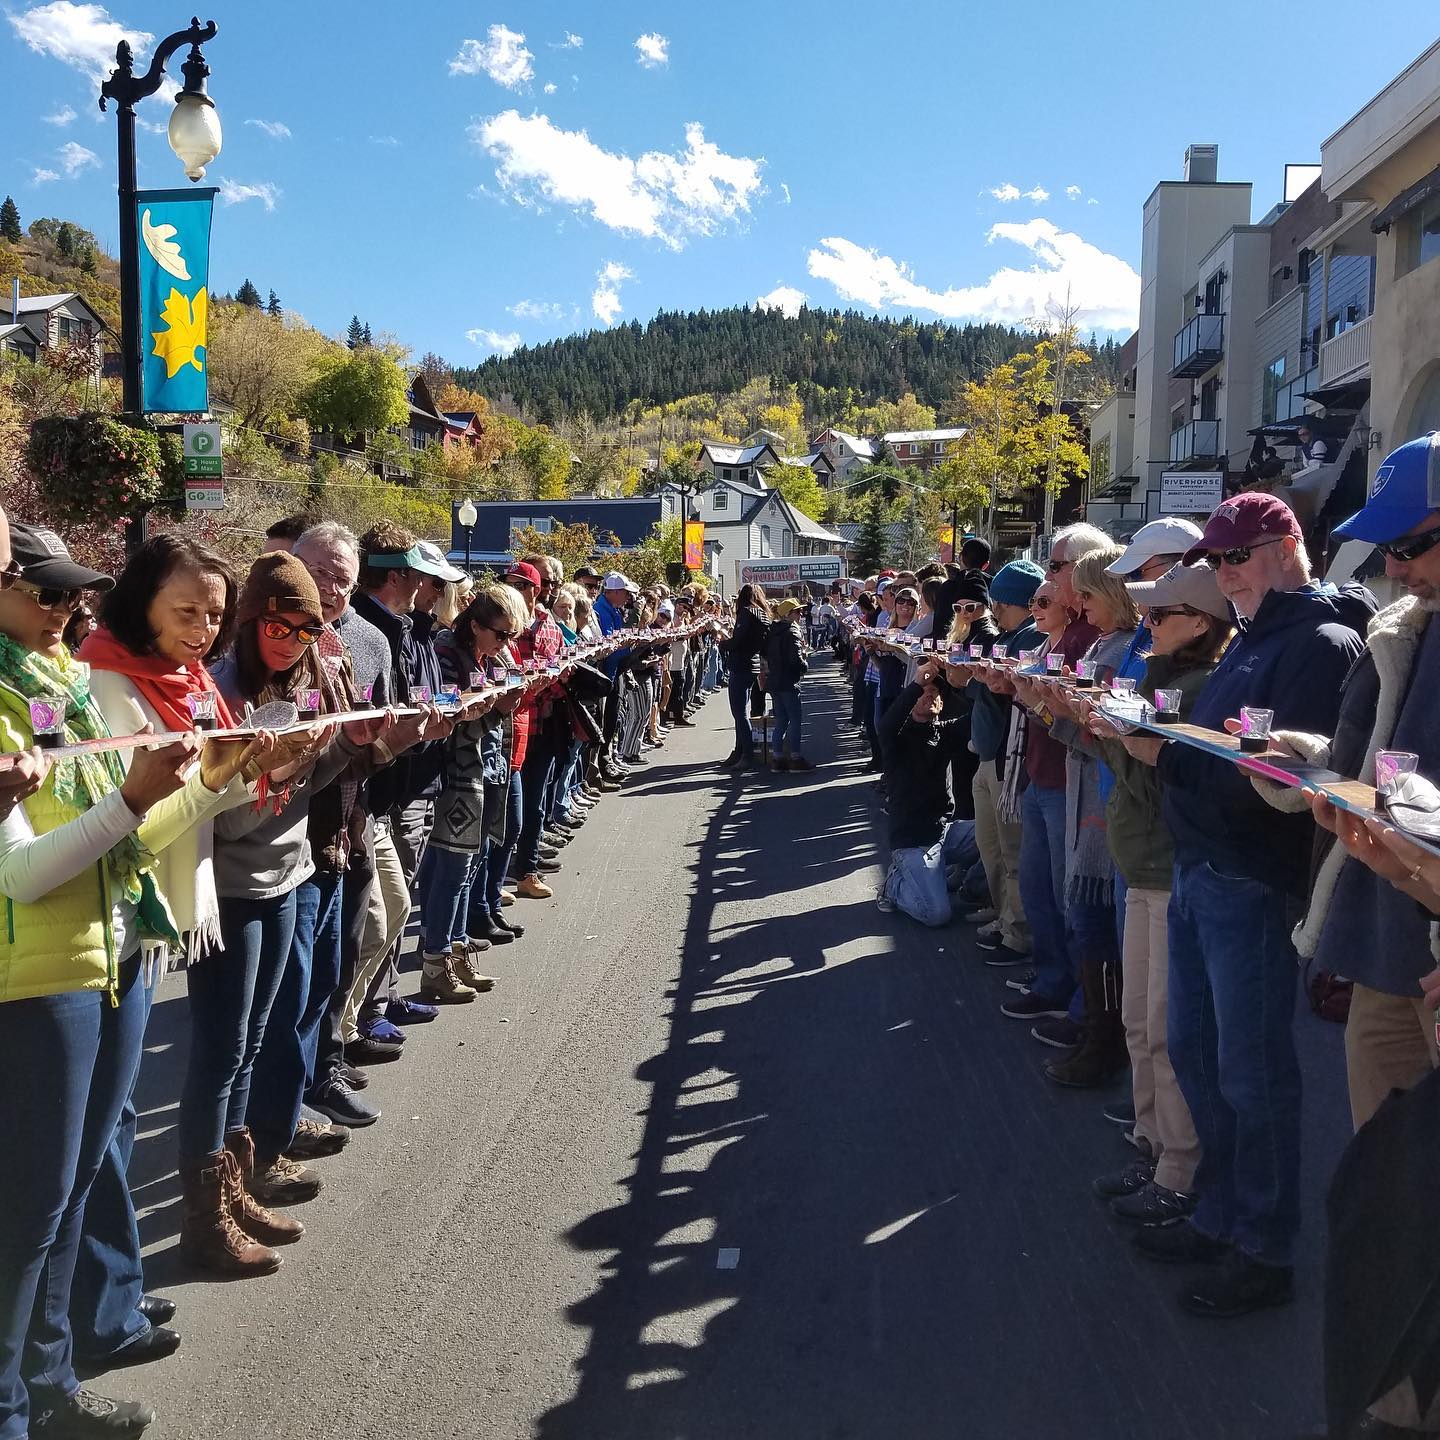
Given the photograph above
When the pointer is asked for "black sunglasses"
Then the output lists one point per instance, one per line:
(503, 636)
(1056, 566)
(1412, 547)
(1041, 602)
(50, 597)
(1164, 612)
(1241, 553)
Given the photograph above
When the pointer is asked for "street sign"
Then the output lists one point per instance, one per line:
(1191, 492)
(204, 485)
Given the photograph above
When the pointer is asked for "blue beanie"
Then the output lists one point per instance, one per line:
(1016, 583)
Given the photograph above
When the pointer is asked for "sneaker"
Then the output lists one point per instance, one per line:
(1120, 1112)
(1241, 1285)
(545, 866)
(609, 787)
(314, 1139)
(993, 927)
(884, 905)
(1022, 983)
(338, 1100)
(1129, 1181)
(1179, 1245)
(1059, 1032)
(1153, 1205)
(1000, 956)
(383, 1031)
(352, 1075)
(281, 1181)
(84, 1415)
(1032, 1006)
(983, 916)
(439, 982)
(364, 1051)
(558, 838)
(410, 1012)
(532, 887)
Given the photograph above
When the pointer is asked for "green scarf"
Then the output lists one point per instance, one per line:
(81, 781)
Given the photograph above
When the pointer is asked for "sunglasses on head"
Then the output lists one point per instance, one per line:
(1241, 553)
(49, 597)
(1164, 612)
(283, 630)
(1412, 547)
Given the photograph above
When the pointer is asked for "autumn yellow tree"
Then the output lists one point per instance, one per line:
(797, 483)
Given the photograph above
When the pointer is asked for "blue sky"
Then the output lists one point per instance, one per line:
(469, 177)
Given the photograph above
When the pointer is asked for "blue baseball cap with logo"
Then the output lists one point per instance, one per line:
(1406, 488)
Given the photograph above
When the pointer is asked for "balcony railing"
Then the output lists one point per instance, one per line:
(1347, 356)
(1290, 399)
(1199, 440)
(1198, 347)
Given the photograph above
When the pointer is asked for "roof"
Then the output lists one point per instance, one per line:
(849, 530)
(800, 522)
(32, 303)
(735, 454)
(858, 443)
(898, 436)
(6, 331)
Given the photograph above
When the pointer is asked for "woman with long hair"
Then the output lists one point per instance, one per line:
(747, 645)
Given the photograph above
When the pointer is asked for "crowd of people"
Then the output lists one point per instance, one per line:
(1151, 905)
(476, 726)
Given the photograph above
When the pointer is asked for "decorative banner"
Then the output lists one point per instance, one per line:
(694, 544)
(174, 299)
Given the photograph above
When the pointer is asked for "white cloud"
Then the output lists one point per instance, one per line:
(44, 177)
(654, 50)
(83, 36)
(389, 141)
(152, 127)
(550, 87)
(501, 55)
(1039, 195)
(275, 129)
(1072, 192)
(784, 298)
(661, 195)
(785, 190)
(1104, 287)
(1007, 194)
(505, 344)
(572, 41)
(605, 298)
(1092, 201)
(232, 192)
(536, 310)
(75, 158)
(60, 118)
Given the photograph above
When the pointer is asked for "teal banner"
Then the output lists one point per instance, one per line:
(174, 298)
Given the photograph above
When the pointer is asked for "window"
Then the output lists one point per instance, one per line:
(1210, 399)
(1214, 293)
(726, 475)
(764, 539)
(541, 524)
(939, 447)
(1272, 381)
(721, 499)
(1177, 418)
(67, 329)
(418, 439)
(787, 546)
(1420, 237)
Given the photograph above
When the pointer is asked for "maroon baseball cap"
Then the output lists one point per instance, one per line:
(1245, 519)
(521, 571)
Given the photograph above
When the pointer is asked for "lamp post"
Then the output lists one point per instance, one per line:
(194, 136)
(467, 515)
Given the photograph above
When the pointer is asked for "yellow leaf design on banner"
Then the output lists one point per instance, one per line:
(184, 332)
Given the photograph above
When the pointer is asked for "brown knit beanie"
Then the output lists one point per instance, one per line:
(278, 584)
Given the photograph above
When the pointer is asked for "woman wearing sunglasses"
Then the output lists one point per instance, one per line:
(262, 854)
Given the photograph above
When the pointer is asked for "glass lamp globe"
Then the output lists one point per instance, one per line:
(467, 514)
(195, 132)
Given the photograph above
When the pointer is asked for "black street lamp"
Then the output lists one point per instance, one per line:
(194, 136)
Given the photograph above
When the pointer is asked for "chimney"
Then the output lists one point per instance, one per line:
(1202, 163)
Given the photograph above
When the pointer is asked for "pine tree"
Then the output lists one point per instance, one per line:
(354, 335)
(10, 221)
(365, 335)
(65, 240)
(273, 304)
(873, 540)
(88, 262)
(247, 294)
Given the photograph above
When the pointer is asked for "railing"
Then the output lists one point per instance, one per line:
(1198, 347)
(1199, 440)
(1348, 354)
(1290, 399)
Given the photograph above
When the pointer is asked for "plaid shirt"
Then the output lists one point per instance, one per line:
(542, 642)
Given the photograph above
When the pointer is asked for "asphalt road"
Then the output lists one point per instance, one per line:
(726, 1154)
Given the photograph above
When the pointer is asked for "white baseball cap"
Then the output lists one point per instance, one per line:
(433, 562)
(616, 581)
(1167, 536)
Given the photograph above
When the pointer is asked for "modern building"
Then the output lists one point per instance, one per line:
(616, 524)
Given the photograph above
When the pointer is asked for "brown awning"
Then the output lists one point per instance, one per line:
(1406, 201)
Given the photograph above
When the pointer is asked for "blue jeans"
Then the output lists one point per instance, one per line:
(285, 1066)
(231, 992)
(67, 1067)
(1042, 890)
(787, 721)
(1232, 1043)
(494, 859)
(445, 896)
(109, 1278)
(915, 882)
(739, 690)
(536, 776)
(568, 769)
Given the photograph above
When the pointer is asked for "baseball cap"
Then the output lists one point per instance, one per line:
(433, 562)
(1167, 536)
(522, 571)
(1192, 585)
(587, 572)
(882, 585)
(1406, 488)
(45, 561)
(666, 609)
(1243, 520)
(616, 581)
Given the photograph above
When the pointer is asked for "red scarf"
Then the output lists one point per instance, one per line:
(160, 681)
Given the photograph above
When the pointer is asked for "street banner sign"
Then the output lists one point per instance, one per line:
(694, 544)
(174, 265)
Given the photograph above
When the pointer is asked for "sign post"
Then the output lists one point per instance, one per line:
(204, 479)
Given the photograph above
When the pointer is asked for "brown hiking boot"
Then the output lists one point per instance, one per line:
(279, 1180)
(1101, 1056)
(268, 1226)
(465, 968)
(532, 887)
(209, 1236)
(440, 985)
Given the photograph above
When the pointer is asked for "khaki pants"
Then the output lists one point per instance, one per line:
(999, 844)
(1389, 1045)
(385, 917)
(1161, 1115)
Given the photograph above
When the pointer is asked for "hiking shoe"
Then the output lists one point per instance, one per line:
(547, 851)
(984, 915)
(557, 838)
(1032, 1006)
(609, 787)
(364, 1051)
(465, 968)
(507, 897)
(338, 1100)
(1058, 1032)
(410, 1012)
(1129, 1181)
(1153, 1205)
(87, 1416)
(278, 1180)
(314, 1139)
(532, 887)
(1179, 1244)
(1120, 1112)
(1022, 983)
(440, 984)
(1240, 1286)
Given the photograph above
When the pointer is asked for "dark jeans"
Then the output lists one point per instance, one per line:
(67, 1066)
(109, 1278)
(231, 992)
(1232, 1043)
(787, 721)
(284, 1068)
(498, 856)
(1042, 890)
(535, 778)
(868, 689)
(739, 690)
(330, 1032)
